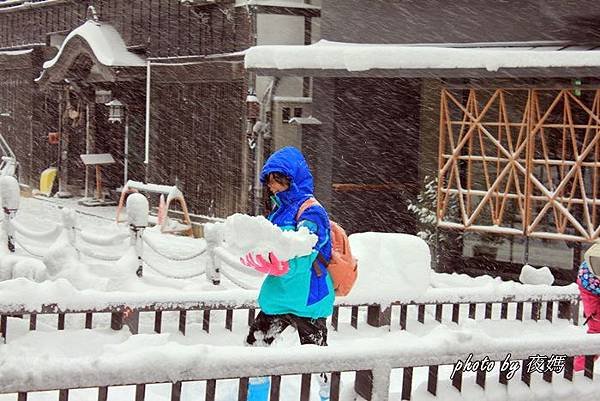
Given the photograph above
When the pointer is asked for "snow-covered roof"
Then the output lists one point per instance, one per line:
(106, 43)
(15, 52)
(276, 3)
(304, 121)
(325, 55)
(15, 5)
(292, 99)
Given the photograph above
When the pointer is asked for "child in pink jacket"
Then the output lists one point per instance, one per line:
(588, 280)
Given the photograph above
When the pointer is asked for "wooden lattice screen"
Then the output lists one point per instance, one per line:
(520, 161)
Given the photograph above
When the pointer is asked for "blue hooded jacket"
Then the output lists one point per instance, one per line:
(300, 291)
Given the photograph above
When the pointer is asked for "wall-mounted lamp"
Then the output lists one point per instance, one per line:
(577, 87)
(116, 111)
(116, 114)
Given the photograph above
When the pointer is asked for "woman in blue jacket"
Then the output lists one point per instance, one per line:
(303, 296)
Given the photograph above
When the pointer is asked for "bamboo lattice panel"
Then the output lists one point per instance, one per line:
(520, 161)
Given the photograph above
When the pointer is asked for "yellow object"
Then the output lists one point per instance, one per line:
(47, 180)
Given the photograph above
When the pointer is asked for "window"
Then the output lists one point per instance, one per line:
(285, 114)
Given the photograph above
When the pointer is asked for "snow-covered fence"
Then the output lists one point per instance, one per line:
(538, 301)
(508, 303)
(100, 247)
(183, 365)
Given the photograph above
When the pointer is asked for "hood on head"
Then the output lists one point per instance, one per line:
(290, 162)
(592, 257)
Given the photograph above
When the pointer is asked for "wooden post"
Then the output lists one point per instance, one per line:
(334, 389)
(354, 317)
(421, 313)
(275, 388)
(229, 320)
(158, 321)
(243, 389)
(98, 183)
(88, 320)
(305, 387)
(140, 392)
(211, 390)
(116, 320)
(102, 393)
(439, 309)
(182, 321)
(377, 317)
(335, 318)
(455, 313)
(176, 391)
(363, 384)
(132, 320)
(206, 320)
(407, 376)
(403, 314)
(432, 379)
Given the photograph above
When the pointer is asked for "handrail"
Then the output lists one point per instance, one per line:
(204, 362)
(97, 301)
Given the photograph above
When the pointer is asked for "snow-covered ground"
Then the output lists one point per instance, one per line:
(47, 354)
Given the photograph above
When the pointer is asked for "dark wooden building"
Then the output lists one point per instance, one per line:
(177, 66)
(496, 99)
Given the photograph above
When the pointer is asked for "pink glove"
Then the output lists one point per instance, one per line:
(273, 266)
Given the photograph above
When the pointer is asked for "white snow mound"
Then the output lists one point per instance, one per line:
(256, 234)
(532, 275)
(389, 265)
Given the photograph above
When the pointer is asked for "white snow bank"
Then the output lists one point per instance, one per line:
(26, 294)
(167, 361)
(561, 389)
(106, 43)
(363, 57)
(46, 235)
(532, 275)
(461, 288)
(258, 235)
(12, 267)
(390, 266)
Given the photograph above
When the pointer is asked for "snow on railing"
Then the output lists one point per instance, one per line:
(84, 242)
(125, 308)
(371, 362)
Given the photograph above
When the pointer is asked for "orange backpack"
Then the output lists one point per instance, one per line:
(342, 267)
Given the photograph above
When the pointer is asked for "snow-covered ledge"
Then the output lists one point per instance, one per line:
(171, 362)
(325, 55)
(22, 295)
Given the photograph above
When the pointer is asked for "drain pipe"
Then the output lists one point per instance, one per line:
(263, 130)
(147, 139)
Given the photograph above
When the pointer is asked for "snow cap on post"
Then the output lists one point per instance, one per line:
(137, 210)
(213, 232)
(69, 218)
(10, 192)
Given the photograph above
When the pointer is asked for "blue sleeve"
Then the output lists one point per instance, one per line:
(316, 220)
